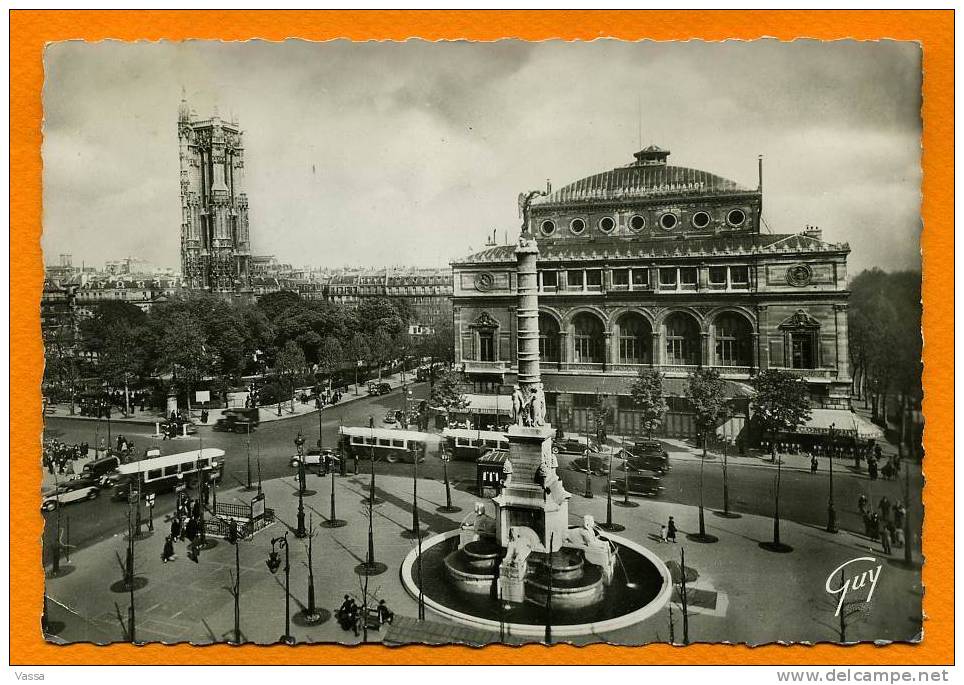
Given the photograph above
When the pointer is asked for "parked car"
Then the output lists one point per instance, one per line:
(599, 464)
(389, 417)
(76, 490)
(647, 455)
(238, 420)
(313, 457)
(645, 486)
(571, 446)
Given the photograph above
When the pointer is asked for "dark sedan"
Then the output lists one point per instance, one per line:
(644, 486)
(570, 446)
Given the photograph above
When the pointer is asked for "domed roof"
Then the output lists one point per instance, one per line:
(649, 176)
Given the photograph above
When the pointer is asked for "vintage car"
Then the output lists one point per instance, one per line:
(645, 486)
(598, 463)
(571, 446)
(238, 420)
(313, 457)
(647, 455)
(76, 490)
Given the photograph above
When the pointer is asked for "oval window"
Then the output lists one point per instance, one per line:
(637, 223)
(735, 217)
(701, 220)
(548, 227)
(606, 224)
(668, 221)
(577, 226)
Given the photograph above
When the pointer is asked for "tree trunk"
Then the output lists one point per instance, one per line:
(776, 499)
(702, 462)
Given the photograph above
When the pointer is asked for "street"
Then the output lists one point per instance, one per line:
(803, 495)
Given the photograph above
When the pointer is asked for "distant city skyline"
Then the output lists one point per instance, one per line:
(414, 153)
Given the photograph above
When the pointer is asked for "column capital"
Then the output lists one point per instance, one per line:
(841, 307)
(761, 307)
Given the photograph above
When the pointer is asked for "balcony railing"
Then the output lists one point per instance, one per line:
(472, 365)
(823, 374)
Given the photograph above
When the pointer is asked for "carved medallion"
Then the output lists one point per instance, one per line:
(484, 281)
(799, 275)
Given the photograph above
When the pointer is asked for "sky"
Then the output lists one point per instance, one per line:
(413, 153)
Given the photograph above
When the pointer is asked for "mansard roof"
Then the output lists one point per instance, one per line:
(745, 244)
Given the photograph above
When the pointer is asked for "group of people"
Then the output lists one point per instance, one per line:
(350, 615)
(175, 424)
(59, 457)
(886, 524)
(186, 524)
(667, 531)
(100, 406)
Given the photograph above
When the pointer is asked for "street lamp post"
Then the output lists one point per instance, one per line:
(235, 539)
(588, 491)
(416, 528)
(448, 508)
(609, 524)
(300, 446)
(311, 613)
(273, 563)
(333, 520)
(248, 487)
(831, 511)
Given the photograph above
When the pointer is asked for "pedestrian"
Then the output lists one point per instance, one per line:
(371, 421)
(671, 530)
(168, 553)
(204, 416)
(885, 539)
(899, 513)
(662, 533)
(385, 615)
(884, 508)
(813, 464)
(176, 526)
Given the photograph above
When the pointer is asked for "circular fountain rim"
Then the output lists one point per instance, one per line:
(535, 630)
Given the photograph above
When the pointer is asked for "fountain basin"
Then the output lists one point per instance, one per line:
(641, 587)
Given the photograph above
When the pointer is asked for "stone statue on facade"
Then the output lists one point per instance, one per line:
(537, 406)
(518, 406)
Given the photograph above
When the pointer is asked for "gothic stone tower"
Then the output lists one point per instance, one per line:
(215, 247)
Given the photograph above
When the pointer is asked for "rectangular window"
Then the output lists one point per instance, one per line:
(718, 275)
(357, 440)
(594, 278)
(574, 279)
(187, 467)
(740, 275)
(486, 347)
(369, 441)
(583, 401)
(170, 470)
(398, 443)
(667, 276)
(202, 463)
(550, 279)
(153, 474)
(384, 442)
(640, 278)
(679, 404)
(620, 276)
(802, 351)
(687, 276)
(462, 442)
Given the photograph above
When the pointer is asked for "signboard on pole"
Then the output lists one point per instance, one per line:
(257, 507)
(149, 499)
(180, 487)
(202, 396)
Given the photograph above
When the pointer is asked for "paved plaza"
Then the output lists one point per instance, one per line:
(738, 591)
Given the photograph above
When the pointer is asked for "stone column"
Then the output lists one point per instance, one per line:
(564, 355)
(755, 351)
(763, 339)
(705, 349)
(527, 314)
(843, 350)
(608, 345)
(656, 356)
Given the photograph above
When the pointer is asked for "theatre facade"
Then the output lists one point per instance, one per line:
(656, 266)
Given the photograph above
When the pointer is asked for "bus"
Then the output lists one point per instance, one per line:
(390, 444)
(161, 474)
(465, 444)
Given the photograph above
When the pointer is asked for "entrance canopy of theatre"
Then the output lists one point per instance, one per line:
(844, 422)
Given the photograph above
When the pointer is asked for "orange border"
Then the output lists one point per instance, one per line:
(30, 30)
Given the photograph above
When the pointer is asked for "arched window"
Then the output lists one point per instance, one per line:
(682, 340)
(588, 339)
(635, 336)
(548, 339)
(733, 340)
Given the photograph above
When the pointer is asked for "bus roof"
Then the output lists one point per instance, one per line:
(469, 433)
(383, 433)
(169, 460)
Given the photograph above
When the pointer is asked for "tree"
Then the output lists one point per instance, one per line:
(781, 405)
(330, 354)
(438, 344)
(289, 362)
(647, 393)
(274, 304)
(447, 392)
(706, 392)
(383, 349)
(179, 344)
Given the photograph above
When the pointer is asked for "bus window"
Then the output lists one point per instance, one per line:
(153, 474)
(503, 445)
(384, 442)
(369, 441)
(202, 463)
(170, 470)
(462, 442)
(417, 445)
(491, 443)
(398, 443)
(357, 440)
(187, 467)
(476, 443)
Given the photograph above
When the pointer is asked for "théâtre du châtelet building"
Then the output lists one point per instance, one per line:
(654, 265)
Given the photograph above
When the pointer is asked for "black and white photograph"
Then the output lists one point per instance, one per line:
(482, 342)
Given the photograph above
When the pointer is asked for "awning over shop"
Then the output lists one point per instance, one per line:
(488, 404)
(619, 385)
(843, 421)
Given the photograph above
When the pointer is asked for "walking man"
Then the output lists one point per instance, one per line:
(671, 530)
